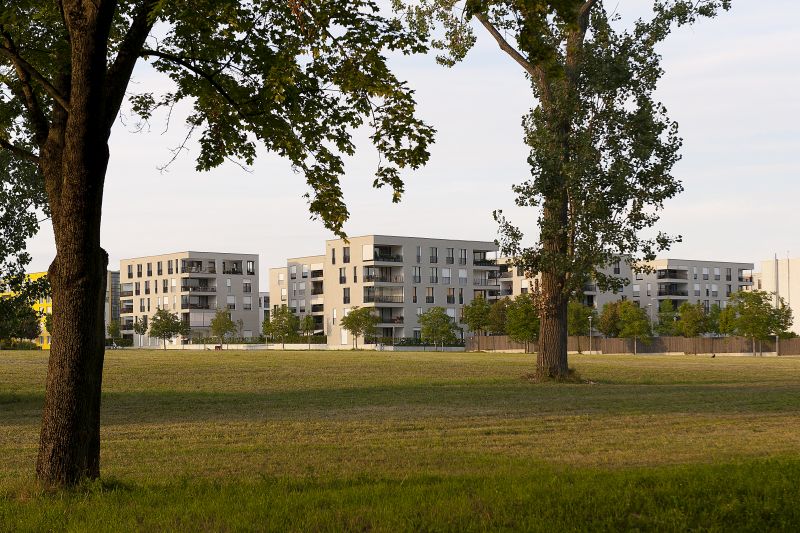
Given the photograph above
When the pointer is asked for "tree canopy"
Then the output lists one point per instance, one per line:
(522, 320)
(165, 325)
(436, 327)
(360, 322)
(476, 315)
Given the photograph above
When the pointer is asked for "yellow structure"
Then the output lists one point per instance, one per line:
(45, 306)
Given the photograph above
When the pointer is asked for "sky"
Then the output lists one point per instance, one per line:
(731, 83)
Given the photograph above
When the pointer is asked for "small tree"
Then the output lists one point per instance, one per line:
(727, 321)
(307, 327)
(578, 319)
(165, 325)
(222, 325)
(497, 316)
(608, 321)
(476, 315)
(437, 327)
(666, 319)
(712, 320)
(757, 317)
(113, 330)
(140, 328)
(282, 325)
(633, 323)
(692, 321)
(359, 321)
(522, 320)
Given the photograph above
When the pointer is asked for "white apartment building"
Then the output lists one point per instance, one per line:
(782, 278)
(192, 285)
(401, 277)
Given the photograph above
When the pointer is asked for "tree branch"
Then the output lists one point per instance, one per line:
(200, 72)
(9, 50)
(119, 74)
(20, 152)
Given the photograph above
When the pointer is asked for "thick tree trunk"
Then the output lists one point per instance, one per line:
(74, 160)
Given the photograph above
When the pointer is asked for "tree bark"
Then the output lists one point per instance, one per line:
(74, 161)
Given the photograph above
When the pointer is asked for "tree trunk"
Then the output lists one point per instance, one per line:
(551, 359)
(74, 160)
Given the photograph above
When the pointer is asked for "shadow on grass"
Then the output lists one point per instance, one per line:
(419, 401)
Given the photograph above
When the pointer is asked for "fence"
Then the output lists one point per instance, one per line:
(655, 345)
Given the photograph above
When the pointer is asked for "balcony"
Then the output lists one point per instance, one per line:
(485, 282)
(673, 292)
(316, 292)
(383, 299)
(197, 270)
(317, 308)
(590, 287)
(198, 288)
(484, 262)
(233, 271)
(316, 274)
(125, 294)
(506, 292)
(745, 279)
(198, 306)
(390, 320)
(379, 278)
(127, 326)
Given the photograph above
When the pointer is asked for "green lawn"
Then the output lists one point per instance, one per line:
(417, 441)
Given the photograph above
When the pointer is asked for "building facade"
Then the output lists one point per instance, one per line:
(192, 285)
(782, 278)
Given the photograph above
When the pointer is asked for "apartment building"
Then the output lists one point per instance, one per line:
(401, 277)
(263, 307)
(192, 285)
(515, 281)
(111, 303)
(782, 278)
(688, 280)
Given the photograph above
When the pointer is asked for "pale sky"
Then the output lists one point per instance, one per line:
(731, 83)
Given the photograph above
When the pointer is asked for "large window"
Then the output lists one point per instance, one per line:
(251, 268)
(434, 275)
(429, 295)
(247, 286)
(232, 302)
(343, 275)
(159, 268)
(450, 256)
(434, 254)
(346, 295)
(346, 254)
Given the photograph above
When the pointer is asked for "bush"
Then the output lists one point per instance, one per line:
(13, 344)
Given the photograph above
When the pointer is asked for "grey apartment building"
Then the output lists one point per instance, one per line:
(192, 285)
(400, 277)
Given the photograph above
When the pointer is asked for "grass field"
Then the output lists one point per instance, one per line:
(417, 441)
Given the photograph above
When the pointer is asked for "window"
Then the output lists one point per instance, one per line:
(649, 289)
(639, 276)
(136, 288)
(413, 295)
(705, 273)
(305, 271)
(636, 290)
(138, 271)
(159, 268)
(149, 269)
(346, 254)
(247, 286)
(694, 272)
(346, 295)
(232, 302)
(434, 275)
(429, 295)
(716, 274)
(616, 266)
(148, 305)
(293, 272)
(169, 267)
(294, 289)
(461, 296)
(355, 274)
(130, 271)
(728, 290)
(450, 257)
(173, 284)
(228, 284)
(141, 305)
(446, 276)
(166, 302)
(343, 275)
(333, 256)
(302, 306)
(462, 256)
(462, 276)
(147, 287)
(283, 294)
(251, 268)
(419, 311)
(451, 312)
(417, 274)
(714, 290)
(434, 254)
(301, 286)
(333, 317)
(697, 289)
(451, 296)
(419, 254)
(281, 278)
(727, 274)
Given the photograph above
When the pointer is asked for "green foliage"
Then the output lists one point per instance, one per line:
(692, 322)
(360, 322)
(17, 317)
(633, 323)
(165, 325)
(307, 327)
(436, 327)
(578, 317)
(281, 325)
(497, 316)
(522, 320)
(608, 323)
(666, 325)
(754, 314)
(476, 315)
(113, 330)
(139, 326)
(712, 320)
(222, 325)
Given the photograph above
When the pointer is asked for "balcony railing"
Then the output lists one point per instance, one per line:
(316, 292)
(197, 288)
(506, 292)
(429, 300)
(417, 279)
(233, 271)
(449, 260)
(384, 299)
(484, 262)
(198, 270)
(672, 274)
(745, 279)
(590, 287)
(125, 294)
(462, 260)
(434, 279)
(318, 308)
(392, 258)
(485, 282)
(126, 310)
(451, 299)
(197, 306)
(316, 274)
(446, 281)
(672, 292)
(383, 279)
(434, 259)
(391, 320)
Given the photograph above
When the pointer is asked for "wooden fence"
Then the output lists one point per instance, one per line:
(705, 345)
